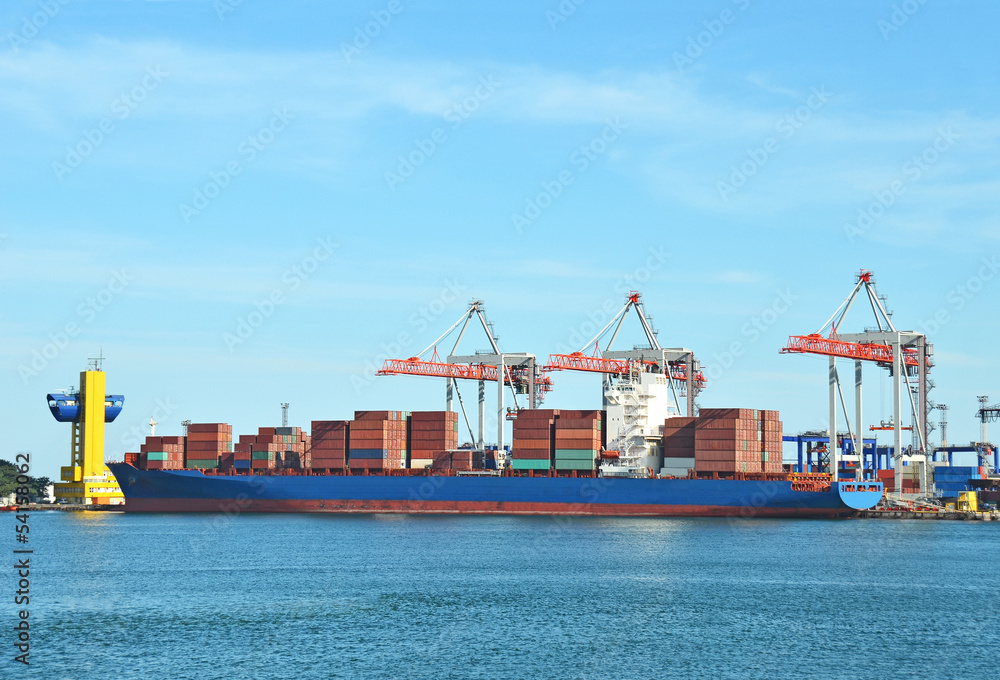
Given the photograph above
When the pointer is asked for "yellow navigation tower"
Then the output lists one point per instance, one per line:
(87, 480)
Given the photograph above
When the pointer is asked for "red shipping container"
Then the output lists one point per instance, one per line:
(530, 454)
(328, 446)
(209, 437)
(207, 446)
(578, 415)
(578, 444)
(564, 423)
(209, 427)
(434, 416)
(577, 433)
(532, 432)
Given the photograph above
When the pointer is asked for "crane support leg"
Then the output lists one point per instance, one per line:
(482, 416)
(501, 371)
(532, 384)
(897, 407)
(690, 385)
(834, 457)
(922, 426)
(858, 418)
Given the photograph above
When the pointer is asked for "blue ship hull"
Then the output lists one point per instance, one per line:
(192, 491)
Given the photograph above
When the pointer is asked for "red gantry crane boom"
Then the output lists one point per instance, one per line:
(519, 371)
(578, 361)
(513, 376)
(656, 359)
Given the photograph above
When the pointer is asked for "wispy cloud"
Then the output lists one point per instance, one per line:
(683, 137)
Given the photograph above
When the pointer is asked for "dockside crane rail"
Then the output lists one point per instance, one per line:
(905, 353)
(518, 371)
(678, 365)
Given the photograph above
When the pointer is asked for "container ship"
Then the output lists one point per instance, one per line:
(638, 456)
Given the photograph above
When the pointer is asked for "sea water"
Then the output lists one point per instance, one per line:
(388, 596)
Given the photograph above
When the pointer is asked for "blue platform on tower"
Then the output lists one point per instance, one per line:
(65, 406)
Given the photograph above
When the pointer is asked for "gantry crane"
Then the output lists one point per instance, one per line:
(518, 370)
(673, 363)
(905, 353)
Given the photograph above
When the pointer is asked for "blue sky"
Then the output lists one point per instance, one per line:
(167, 167)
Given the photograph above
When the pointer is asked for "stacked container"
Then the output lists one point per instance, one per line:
(771, 457)
(242, 452)
(277, 448)
(207, 443)
(911, 480)
(888, 479)
(296, 454)
(533, 439)
(265, 450)
(378, 440)
(431, 432)
(440, 460)
(463, 459)
(577, 439)
(161, 453)
(329, 444)
(950, 480)
(486, 460)
(678, 446)
(728, 440)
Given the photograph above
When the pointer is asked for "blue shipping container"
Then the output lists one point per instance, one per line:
(370, 454)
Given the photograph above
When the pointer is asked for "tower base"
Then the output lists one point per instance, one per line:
(102, 490)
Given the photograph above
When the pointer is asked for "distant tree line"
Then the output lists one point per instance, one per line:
(8, 480)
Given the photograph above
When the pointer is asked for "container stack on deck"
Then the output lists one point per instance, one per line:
(298, 447)
(578, 439)
(486, 460)
(265, 449)
(678, 446)
(242, 453)
(773, 432)
(329, 444)
(207, 443)
(432, 435)
(161, 453)
(726, 441)
(462, 459)
(730, 440)
(378, 440)
(277, 448)
(533, 438)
